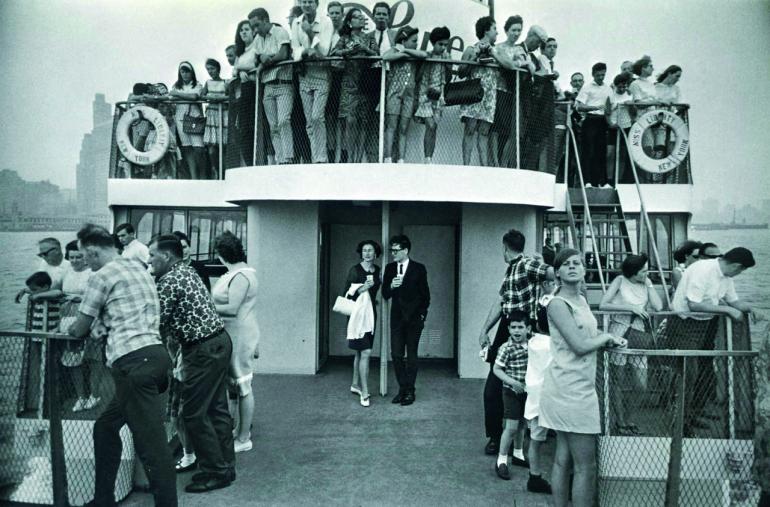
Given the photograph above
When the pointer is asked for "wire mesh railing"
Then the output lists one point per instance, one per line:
(677, 411)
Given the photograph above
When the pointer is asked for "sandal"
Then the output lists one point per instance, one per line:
(180, 469)
(355, 390)
(365, 401)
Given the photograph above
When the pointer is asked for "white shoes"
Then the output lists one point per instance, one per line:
(364, 401)
(606, 185)
(242, 446)
(355, 390)
(588, 185)
(79, 405)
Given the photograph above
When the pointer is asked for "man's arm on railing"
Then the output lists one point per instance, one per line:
(745, 307)
(703, 307)
(81, 326)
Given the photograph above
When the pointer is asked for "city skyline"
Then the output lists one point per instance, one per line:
(727, 129)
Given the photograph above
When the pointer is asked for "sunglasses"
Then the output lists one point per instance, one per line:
(704, 256)
(45, 254)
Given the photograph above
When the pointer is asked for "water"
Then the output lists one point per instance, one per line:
(19, 249)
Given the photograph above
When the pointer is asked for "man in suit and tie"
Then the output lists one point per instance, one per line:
(405, 282)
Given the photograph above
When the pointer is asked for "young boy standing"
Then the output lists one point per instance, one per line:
(511, 368)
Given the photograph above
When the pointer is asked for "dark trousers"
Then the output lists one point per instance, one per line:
(594, 146)
(140, 377)
(493, 388)
(204, 404)
(405, 337)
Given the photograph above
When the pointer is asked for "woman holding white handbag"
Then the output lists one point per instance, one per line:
(365, 274)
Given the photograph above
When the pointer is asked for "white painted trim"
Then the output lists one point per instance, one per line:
(390, 182)
(171, 193)
(663, 198)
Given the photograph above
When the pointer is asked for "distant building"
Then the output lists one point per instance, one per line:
(94, 163)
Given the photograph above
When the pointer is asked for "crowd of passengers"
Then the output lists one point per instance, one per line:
(336, 118)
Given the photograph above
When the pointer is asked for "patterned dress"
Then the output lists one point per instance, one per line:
(353, 99)
(399, 99)
(434, 77)
(211, 134)
(485, 109)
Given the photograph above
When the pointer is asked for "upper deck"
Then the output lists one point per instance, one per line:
(524, 156)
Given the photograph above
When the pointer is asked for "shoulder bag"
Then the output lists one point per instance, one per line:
(193, 125)
(464, 92)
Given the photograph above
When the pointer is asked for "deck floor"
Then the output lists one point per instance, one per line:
(315, 445)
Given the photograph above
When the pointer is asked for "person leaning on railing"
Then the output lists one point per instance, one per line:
(430, 93)
(188, 88)
(245, 62)
(707, 287)
(215, 90)
(618, 110)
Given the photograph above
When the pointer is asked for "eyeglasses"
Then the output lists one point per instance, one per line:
(396, 250)
(705, 256)
(45, 254)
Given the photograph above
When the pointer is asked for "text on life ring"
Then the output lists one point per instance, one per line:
(681, 145)
(123, 140)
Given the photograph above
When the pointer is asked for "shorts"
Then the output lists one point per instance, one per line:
(513, 404)
(400, 103)
(536, 432)
(242, 385)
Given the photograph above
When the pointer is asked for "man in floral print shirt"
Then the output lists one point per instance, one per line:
(188, 319)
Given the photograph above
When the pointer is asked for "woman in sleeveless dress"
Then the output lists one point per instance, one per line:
(235, 297)
(569, 404)
(366, 273)
(216, 114)
(633, 292)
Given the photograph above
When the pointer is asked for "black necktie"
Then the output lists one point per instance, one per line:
(379, 42)
(401, 269)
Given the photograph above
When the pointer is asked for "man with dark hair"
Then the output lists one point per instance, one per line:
(518, 292)
(706, 286)
(405, 282)
(272, 45)
(122, 295)
(709, 251)
(198, 266)
(311, 38)
(385, 38)
(52, 261)
(132, 247)
(592, 100)
(189, 320)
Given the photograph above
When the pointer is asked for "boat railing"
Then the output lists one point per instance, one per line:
(676, 410)
(369, 103)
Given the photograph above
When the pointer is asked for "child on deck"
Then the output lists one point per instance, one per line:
(400, 100)
(511, 368)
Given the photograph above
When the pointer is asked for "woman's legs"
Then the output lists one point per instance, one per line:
(583, 450)
(363, 371)
(618, 379)
(245, 416)
(494, 142)
(429, 141)
(562, 462)
(483, 142)
(356, 363)
(213, 151)
(391, 122)
(403, 127)
(77, 380)
(469, 133)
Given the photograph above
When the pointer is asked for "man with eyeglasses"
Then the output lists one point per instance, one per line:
(709, 251)
(405, 282)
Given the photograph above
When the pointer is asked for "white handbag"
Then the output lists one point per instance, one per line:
(343, 305)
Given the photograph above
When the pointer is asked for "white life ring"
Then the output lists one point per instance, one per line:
(162, 133)
(681, 146)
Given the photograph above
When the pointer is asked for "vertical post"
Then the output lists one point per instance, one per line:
(518, 126)
(566, 147)
(730, 380)
(381, 136)
(385, 308)
(673, 481)
(607, 422)
(58, 464)
(221, 141)
(256, 118)
(617, 155)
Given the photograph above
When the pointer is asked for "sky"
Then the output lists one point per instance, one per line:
(57, 54)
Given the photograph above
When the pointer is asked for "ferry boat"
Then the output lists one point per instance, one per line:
(300, 222)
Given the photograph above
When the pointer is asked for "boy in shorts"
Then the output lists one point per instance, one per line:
(511, 368)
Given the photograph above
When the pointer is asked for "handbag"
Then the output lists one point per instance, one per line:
(640, 339)
(193, 125)
(343, 305)
(464, 92)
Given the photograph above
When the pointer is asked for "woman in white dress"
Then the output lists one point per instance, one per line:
(235, 297)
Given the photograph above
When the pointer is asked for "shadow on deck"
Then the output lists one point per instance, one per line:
(314, 444)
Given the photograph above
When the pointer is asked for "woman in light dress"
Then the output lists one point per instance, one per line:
(569, 404)
(510, 57)
(633, 292)
(431, 89)
(215, 90)
(235, 298)
(187, 88)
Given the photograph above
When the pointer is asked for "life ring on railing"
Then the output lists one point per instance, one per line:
(681, 146)
(162, 138)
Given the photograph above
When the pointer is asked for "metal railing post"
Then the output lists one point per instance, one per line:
(617, 156)
(568, 124)
(221, 142)
(385, 313)
(58, 463)
(256, 118)
(607, 422)
(381, 136)
(673, 481)
(518, 126)
(730, 380)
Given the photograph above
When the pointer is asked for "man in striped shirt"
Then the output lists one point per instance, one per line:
(122, 295)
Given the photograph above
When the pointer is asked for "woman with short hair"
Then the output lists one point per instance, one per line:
(684, 255)
(634, 293)
(569, 403)
(510, 56)
(430, 92)
(235, 298)
(367, 274)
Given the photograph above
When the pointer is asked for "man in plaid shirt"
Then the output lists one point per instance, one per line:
(122, 295)
(518, 292)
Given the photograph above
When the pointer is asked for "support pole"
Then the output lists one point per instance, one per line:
(58, 465)
(673, 481)
(385, 307)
